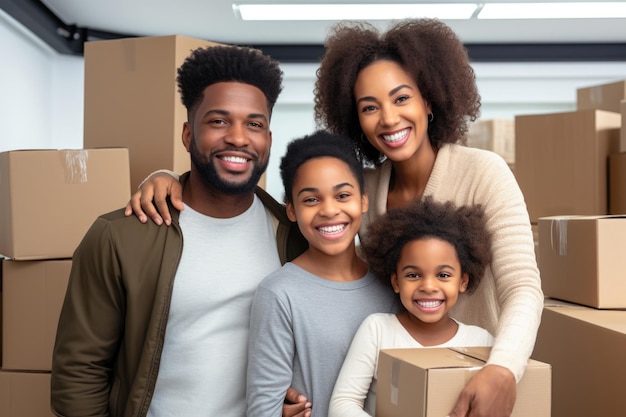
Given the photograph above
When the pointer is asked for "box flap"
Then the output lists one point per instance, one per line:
(436, 358)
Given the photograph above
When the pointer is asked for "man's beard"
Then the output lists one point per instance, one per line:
(209, 176)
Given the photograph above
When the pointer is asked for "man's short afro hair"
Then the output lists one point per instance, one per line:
(214, 64)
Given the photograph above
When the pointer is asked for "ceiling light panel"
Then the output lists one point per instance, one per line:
(553, 10)
(353, 11)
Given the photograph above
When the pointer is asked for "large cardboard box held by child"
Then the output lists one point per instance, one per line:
(426, 382)
(585, 347)
(582, 259)
(50, 198)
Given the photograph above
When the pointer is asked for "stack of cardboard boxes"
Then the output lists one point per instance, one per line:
(570, 167)
(496, 135)
(49, 198)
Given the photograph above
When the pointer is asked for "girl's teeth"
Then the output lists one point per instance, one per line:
(332, 229)
(430, 304)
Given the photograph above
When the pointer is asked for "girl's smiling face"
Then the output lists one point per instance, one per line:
(328, 205)
(428, 279)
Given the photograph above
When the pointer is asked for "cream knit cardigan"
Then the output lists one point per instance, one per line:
(509, 301)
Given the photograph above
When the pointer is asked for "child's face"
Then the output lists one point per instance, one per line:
(428, 279)
(327, 204)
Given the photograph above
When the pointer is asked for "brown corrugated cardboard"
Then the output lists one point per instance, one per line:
(622, 141)
(49, 198)
(497, 135)
(582, 259)
(33, 293)
(585, 347)
(601, 97)
(25, 394)
(561, 161)
(427, 382)
(617, 183)
(133, 100)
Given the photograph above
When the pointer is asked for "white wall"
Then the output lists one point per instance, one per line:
(41, 94)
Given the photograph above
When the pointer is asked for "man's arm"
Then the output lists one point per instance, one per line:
(89, 329)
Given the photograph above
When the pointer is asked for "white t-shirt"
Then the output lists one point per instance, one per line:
(203, 365)
(355, 390)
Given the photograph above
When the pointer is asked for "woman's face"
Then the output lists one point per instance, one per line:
(392, 112)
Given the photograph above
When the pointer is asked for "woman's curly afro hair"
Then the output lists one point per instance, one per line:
(462, 227)
(426, 48)
(214, 64)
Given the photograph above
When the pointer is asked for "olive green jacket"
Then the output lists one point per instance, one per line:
(112, 324)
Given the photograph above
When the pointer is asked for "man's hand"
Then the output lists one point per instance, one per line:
(296, 405)
(491, 392)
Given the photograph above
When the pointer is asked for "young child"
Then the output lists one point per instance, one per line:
(304, 315)
(430, 253)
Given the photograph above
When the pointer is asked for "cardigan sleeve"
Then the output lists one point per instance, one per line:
(514, 268)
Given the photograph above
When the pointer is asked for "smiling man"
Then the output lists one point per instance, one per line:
(152, 326)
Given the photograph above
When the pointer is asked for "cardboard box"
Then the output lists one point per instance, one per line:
(497, 135)
(601, 97)
(561, 161)
(585, 347)
(133, 100)
(25, 394)
(582, 259)
(49, 198)
(33, 293)
(617, 183)
(622, 141)
(426, 382)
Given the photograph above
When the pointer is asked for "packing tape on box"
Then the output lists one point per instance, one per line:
(558, 232)
(75, 163)
(395, 377)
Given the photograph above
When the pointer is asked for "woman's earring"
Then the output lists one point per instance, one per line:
(363, 138)
(431, 117)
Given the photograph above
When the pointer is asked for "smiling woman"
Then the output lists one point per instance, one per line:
(405, 97)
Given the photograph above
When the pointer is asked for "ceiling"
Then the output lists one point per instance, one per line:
(214, 20)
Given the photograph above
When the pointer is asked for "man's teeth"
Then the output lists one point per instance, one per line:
(332, 229)
(430, 304)
(235, 159)
(395, 137)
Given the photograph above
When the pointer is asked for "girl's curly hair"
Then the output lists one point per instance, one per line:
(426, 48)
(462, 227)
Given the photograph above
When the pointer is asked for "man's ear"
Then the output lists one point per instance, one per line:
(291, 212)
(186, 135)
